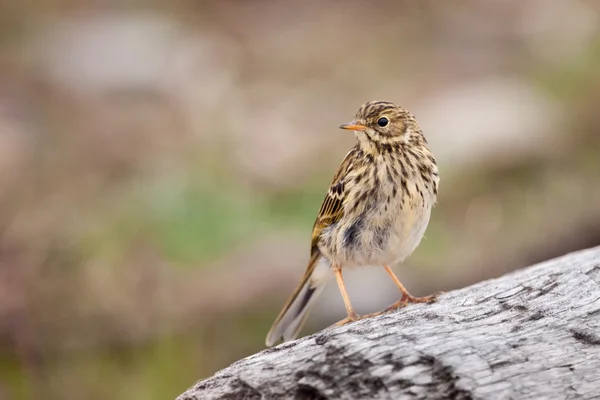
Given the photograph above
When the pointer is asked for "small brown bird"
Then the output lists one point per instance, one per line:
(375, 212)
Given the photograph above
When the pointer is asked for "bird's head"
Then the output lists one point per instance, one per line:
(378, 123)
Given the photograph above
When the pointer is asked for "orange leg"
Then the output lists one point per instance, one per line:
(407, 297)
(352, 315)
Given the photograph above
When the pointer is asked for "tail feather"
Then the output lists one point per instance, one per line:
(288, 324)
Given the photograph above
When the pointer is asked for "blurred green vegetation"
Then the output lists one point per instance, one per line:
(201, 222)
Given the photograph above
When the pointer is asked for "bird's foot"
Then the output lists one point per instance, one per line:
(352, 316)
(403, 302)
(407, 299)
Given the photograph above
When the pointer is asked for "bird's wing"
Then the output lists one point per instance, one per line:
(332, 209)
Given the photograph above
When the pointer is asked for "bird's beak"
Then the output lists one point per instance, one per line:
(353, 126)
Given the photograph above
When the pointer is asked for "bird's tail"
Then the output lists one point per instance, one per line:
(294, 313)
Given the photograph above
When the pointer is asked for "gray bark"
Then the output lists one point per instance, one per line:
(531, 334)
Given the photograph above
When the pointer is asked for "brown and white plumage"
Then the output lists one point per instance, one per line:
(375, 211)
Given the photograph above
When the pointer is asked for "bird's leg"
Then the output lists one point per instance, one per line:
(407, 297)
(352, 315)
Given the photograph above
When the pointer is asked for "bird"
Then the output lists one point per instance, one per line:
(374, 214)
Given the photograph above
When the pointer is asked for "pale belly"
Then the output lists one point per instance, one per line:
(375, 237)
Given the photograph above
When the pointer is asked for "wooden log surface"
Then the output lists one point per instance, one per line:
(531, 334)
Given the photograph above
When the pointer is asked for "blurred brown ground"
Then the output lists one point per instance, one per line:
(161, 167)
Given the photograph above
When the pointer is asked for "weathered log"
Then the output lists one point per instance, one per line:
(531, 334)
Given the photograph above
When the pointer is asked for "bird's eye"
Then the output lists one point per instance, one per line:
(383, 121)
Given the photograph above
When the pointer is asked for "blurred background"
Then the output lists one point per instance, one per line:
(161, 166)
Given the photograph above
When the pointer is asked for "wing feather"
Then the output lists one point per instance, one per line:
(332, 209)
